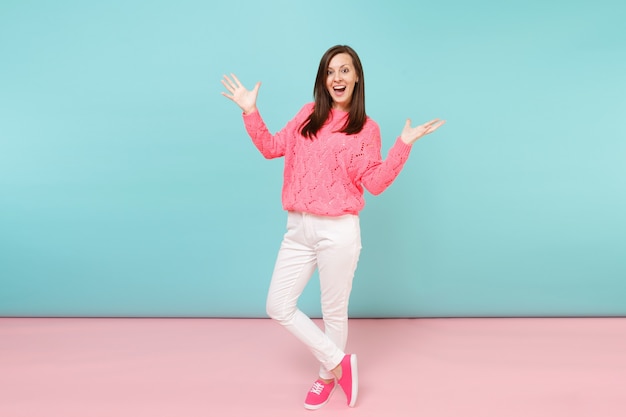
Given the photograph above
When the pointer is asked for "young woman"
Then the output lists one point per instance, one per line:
(332, 151)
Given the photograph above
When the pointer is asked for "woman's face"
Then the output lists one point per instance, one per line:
(341, 78)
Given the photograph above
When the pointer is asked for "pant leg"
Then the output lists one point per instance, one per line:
(295, 264)
(337, 256)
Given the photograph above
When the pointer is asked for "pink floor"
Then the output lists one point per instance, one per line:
(252, 367)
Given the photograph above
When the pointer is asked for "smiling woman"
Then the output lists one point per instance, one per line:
(332, 152)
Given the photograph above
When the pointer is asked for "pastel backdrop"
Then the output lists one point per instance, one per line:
(128, 186)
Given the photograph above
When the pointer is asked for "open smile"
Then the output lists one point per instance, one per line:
(339, 90)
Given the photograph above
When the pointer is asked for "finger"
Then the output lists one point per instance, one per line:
(228, 96)
(229, 87)
(228, 83)
(226, 78)
(238, 83)
(434, 127)
(437, 125)
(432, 122)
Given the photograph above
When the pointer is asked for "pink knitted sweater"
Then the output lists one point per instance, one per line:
(326, 175)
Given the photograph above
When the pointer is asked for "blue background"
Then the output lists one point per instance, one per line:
(128, 186)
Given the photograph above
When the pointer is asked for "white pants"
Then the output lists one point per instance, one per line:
(332, 245)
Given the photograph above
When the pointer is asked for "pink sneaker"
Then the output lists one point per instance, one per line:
(349, 380)
(319, 394)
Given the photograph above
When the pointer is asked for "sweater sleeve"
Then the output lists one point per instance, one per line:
(272, 145)
(379, 173)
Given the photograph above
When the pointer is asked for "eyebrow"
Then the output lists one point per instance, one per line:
(344, 65)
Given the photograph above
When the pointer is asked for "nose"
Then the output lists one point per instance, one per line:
(337, 76)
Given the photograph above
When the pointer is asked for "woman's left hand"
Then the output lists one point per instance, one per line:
(410, 134)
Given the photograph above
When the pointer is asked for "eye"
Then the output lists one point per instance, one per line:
(345, 70)
(329, 72)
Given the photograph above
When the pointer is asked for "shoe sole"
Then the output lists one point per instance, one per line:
(355, 380)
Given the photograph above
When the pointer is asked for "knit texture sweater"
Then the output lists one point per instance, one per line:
(326, 175)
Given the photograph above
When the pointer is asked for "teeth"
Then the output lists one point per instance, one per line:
(340, 88)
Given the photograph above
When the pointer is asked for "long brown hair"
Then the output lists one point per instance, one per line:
(323, 100)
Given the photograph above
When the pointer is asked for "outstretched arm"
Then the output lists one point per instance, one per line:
(381, 173)
(244, 98)
(410, 134)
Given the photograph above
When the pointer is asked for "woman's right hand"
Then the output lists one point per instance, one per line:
(245, 99)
